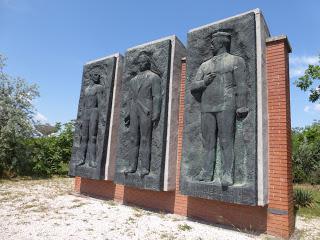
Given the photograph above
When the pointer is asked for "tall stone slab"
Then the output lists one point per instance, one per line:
(224, 154)
(92, 146)
(147, 137)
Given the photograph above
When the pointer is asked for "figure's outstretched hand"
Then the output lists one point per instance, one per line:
(127, 120)
(208, 78)
(242, 112)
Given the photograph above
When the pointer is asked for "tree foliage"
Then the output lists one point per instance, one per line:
(306, 154)
(16, 116)
(308, 82)
(23, 151)
(50, 155)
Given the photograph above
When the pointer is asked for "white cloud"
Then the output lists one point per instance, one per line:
(40, 118)
(16, 6)
(312, 109)
(296, 60)
(306, 108)
(298, 64)
(317, 107)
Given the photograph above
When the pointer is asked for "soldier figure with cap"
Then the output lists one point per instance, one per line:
(221, 80)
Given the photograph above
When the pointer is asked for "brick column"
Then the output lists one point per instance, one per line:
(280, 219)
(180, 206)
(77, 184)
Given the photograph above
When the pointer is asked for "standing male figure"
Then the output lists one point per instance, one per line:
(144, 113)
(90, 117)
(222, 82)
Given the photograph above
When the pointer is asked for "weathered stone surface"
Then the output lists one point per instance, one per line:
(219, 158)
(93, 120)
(178, 51)
(262, 33)
(114, 121)
(143, 117)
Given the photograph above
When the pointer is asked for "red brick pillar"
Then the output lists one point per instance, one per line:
(280, 219)
(77, 184)
(180, 206)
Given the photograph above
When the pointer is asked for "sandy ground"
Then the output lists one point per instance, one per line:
(49, 209)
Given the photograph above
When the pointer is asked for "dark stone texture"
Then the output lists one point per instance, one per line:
(143, 117)
(220, 113)
(93, 120)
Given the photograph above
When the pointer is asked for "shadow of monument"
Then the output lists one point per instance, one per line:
(97, 188)
(161, 201)
(239, 217)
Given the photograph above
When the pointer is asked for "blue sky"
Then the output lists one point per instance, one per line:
(47, 42)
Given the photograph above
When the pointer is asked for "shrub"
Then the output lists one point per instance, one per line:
(303, 198)
(184, 227)
(50, 155)
(16, 118)
(315, 177)
(306, 154)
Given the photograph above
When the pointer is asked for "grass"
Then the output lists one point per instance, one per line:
(167, 236)
(131, 220)
(184, 227)
(138, 214)
(80, 204)
(314, 210)
(111, 203)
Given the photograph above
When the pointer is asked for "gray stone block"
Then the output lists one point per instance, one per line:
(149, 97)
(178, 51)
(114, 121)
(92, 127)
(229, 121)
(262, 33)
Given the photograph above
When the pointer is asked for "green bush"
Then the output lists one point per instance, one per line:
(16, 119)
(41, 156)
(315, 177)
(22, 151)
(303, 198)
(50, 155)
(306, 154)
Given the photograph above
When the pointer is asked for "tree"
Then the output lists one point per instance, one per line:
(16, 118)
(306, 154)
(50, 155)
(308, 82)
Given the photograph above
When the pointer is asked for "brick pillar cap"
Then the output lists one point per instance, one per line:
(280, 38)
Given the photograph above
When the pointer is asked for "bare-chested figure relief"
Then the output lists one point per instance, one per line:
(93, 95)
(143, 114)
(222, 82)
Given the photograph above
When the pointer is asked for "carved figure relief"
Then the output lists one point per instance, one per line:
(93, 120)
(221, 81)
(93, 96)
(143, 116)
(219, 152)
(143, 113)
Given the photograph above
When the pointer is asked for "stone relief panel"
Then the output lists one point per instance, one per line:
(219, 158)
(93, 119)
(143, 116)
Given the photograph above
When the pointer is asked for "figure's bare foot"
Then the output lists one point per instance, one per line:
(81, 162)
(93, 164)
(143, 173)
(129, 170)
(203, 177)
(226, 180)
